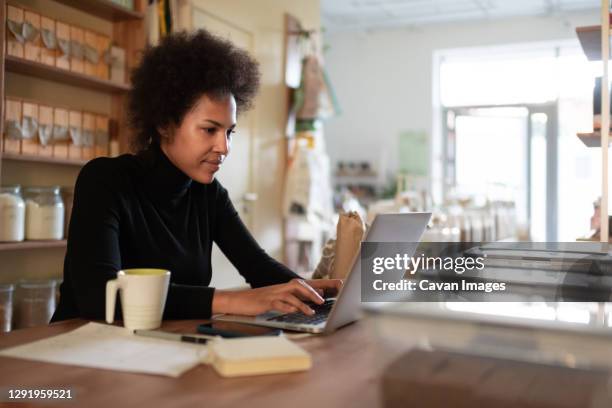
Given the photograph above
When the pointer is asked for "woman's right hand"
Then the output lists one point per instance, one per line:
(286, 297)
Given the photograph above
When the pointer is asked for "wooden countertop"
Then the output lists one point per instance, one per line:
(347, 368)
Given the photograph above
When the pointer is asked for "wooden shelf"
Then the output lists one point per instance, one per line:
(16, 246)
(127, 30)
(105, 9)
(23, 66)
(591, 139)
(42, 159)
(590, 40)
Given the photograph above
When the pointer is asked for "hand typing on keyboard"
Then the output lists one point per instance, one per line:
(290, 297)
(321, 311)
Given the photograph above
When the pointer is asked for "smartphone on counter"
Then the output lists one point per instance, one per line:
(234, 330)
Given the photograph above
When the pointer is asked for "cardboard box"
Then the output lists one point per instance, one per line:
(14, 39)
(89, 135)
(117, 69)
(29, 124)
(61, 136)
(103, 46)
(75, 146)
(12, 121)
(102, 136)
(47, 55)
(45, 130)
(32, 45)
(77, 43)
(62, 32)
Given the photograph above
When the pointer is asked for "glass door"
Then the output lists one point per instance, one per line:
(506, 153)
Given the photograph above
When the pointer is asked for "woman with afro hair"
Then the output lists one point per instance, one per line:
(162, 207)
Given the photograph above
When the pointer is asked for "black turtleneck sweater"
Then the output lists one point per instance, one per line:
(143, 212)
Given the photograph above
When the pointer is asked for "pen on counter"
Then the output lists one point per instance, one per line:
(187, 338)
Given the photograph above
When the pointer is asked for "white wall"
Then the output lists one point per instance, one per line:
(383, 79)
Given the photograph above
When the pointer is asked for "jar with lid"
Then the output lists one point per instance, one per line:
(6, 307)
(12, 214)
(35, 303)
(44, 213)
(68, 197)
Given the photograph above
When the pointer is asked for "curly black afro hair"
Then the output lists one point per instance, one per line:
(172, 76)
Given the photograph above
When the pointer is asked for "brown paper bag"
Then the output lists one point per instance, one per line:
(102, 136)
(349, 234)
(91, 54)
(32, 45)
(49, 41)
(29, 125)
(14, 34)
(88, 137)
(326, 263)
(103, 46)
(75, 129)
(118, 65)
(340, 253)
(77, 44)
(62, 33)
(61, 135)
(12, 126)
(45, 130)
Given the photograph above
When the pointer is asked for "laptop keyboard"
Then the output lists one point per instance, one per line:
(320, 315)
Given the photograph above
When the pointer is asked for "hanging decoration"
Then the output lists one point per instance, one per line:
(314, 99)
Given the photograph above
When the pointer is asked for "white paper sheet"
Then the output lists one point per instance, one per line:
(112, 348)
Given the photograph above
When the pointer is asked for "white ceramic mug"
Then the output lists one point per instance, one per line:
(143, 297)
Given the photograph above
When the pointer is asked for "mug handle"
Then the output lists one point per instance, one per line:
(111, 297)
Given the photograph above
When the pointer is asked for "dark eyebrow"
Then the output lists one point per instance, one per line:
(214, 122)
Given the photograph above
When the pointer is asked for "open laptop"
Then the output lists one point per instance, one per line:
(346, 307)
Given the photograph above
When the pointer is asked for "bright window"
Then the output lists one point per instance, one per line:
(529, 74)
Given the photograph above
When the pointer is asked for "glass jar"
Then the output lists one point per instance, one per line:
(12, 214)
(35, 303)
(68, 197)
(58, 285)
(6, 307)
(44, 213)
